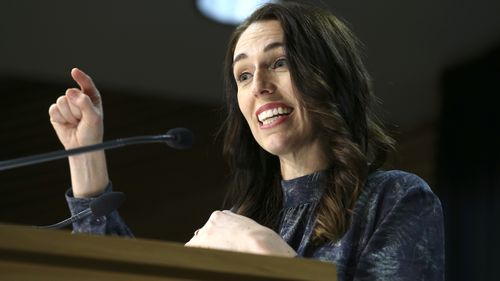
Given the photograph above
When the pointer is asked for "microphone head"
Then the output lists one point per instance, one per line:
(182, 138)
(106, 203)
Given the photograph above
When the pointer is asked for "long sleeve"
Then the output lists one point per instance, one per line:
(396, 232)
(111, 224)
(408, 241)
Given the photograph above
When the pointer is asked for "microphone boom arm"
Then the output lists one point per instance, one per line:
(45, 157)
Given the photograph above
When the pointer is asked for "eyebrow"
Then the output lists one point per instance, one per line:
(268, 48)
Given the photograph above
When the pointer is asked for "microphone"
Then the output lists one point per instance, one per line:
(178, 138)
(182, 138)
(99, 207)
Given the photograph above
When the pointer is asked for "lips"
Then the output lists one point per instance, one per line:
(272, 114)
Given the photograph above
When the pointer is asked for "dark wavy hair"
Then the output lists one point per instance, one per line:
(335, 91)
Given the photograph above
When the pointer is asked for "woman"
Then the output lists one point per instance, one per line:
(304, 149)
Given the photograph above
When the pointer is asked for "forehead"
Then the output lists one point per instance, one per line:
(258, 35)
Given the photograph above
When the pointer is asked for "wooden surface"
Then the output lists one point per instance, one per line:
(31, 254)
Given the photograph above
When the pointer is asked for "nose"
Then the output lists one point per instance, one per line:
(262, 83)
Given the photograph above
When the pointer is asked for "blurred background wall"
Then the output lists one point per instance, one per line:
(158, 64)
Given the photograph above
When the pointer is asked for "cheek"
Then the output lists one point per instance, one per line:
(245, 108)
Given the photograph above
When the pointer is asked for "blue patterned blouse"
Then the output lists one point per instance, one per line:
(396, 231)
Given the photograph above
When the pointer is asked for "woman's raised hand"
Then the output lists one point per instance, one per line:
(77, 118)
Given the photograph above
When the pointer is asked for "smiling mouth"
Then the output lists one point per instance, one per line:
(269, 116)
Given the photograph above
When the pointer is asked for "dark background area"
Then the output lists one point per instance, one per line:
(435, 65)
(170, 192)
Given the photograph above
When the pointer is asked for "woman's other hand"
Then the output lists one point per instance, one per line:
(226, 230)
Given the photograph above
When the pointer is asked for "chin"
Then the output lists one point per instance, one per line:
(276, 146)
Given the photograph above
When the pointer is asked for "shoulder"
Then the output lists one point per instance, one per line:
(385, 190)
(396, 181)
(397, 184)
(398, 229)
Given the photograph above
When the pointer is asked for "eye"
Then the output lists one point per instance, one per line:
(243, 77)
(279, 63)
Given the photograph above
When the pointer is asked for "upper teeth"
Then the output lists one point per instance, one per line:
(273, 112)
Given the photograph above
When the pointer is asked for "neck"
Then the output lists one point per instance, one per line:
(303, 162)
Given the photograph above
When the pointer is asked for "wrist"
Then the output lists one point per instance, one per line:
(89, 175)
(268, 242)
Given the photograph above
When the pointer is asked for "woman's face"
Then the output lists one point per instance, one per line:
(266, 95)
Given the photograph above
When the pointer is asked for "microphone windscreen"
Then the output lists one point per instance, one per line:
(182, 138)
(106, 203)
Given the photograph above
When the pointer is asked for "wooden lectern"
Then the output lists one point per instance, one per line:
(27, 253)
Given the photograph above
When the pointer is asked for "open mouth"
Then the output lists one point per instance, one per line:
(269, 116)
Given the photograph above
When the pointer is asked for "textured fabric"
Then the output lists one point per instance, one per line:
(396, 231)
(111, 224)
